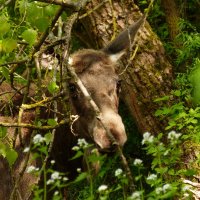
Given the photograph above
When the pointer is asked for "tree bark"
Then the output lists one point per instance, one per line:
(149, 74)
(172, 17)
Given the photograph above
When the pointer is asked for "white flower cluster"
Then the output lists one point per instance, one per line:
(136, 196)
(137, 162)
(37, 139)
(172, 135)
(54, 177)
(82, 144)
(152, 177)
(102, 188)
(32, 169)
(165, 188)
(147, 138)
(118, 172)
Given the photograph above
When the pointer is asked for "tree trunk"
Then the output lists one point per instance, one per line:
(172, 17)
(149, 74)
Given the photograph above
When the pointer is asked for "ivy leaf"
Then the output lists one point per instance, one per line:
(30, 36)
(8, 45)
(11, 156)
(3, 131)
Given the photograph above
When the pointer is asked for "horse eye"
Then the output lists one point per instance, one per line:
(119, 85)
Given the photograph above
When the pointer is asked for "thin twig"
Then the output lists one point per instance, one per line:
(75, 5)
(92, 10)
(35, 127)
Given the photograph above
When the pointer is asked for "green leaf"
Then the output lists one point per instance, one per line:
(78, 155)
(5, 26)
(48, 137)
(8, 45)
(165, 98)
(20, 79)
(2, 149)
(52, 122)
(42, 24)
(52, 87)
(3, 131)
(5, 72)
(81, 177)
(30, 36)
(177, 93)
(11, 156)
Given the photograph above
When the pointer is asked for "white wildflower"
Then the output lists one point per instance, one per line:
(166, 187)
(38, 139)
(50, 181)
(65, 179)
(159, 190)
(53, 162)
(56, 193)
(78, 170)
(172, 135)
(137, 162)
(55, 176)
(82, 143)
(152, 177)
(147, 138)
(70, 61)
(31, 169)
(27, 149)
(75, 148)
(136, 195)
(102, 188)
(118, 172)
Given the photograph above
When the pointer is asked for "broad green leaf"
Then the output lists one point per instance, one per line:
(11, 156)
(52, 122)
(30, 36)
(3, 131)
(194, 78)
(42, 24)
(52, 87)
(8, 45)
(4, 27)
(48, 137)
(50, 10)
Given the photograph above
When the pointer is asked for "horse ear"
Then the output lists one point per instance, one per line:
(118, 46)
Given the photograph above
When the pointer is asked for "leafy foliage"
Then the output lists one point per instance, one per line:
(157, 162)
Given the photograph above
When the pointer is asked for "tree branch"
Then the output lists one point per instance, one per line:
(75, 5)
